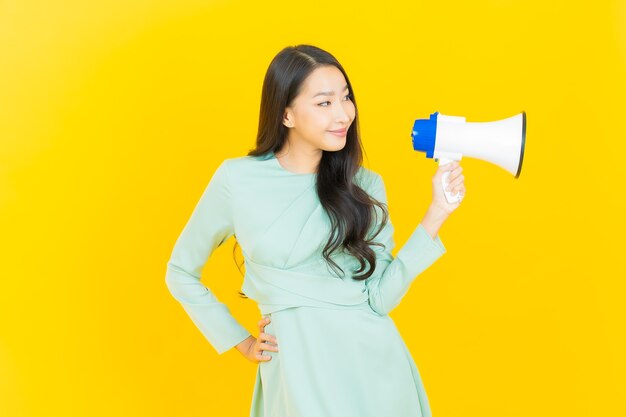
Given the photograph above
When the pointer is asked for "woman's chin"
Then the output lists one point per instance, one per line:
(336, 144)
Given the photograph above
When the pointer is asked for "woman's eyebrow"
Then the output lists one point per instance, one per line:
(329, 93)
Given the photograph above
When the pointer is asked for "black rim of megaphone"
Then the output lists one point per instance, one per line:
(521, 158)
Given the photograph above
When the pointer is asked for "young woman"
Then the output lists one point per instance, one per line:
(316, 237)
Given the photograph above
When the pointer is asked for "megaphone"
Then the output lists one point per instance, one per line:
(449, 138)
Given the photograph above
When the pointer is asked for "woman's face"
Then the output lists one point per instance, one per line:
(323, 105)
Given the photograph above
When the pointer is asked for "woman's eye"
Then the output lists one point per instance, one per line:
(349, 96)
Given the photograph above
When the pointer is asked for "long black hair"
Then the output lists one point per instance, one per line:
(349, 207)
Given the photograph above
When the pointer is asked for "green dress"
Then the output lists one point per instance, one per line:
(340, 353)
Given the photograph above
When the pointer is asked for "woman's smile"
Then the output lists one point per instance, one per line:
(340, 133)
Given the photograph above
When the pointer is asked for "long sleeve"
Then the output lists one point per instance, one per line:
(393, 277)
(208, 227)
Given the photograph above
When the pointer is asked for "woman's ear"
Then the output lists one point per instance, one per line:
(287, 119)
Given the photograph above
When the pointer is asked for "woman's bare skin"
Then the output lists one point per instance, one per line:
(252, 347)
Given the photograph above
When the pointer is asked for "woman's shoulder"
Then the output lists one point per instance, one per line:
(367, 178)
(241, 165)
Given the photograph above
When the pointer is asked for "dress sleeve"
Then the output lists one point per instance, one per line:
(209, 226)
(393, 277)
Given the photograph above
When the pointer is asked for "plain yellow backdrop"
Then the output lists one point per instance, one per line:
(115, 114)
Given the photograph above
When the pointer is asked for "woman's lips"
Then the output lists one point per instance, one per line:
(340, 133)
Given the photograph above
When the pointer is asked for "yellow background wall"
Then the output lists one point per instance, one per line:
(115, 114)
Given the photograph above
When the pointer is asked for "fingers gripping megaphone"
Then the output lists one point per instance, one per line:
(449, 138)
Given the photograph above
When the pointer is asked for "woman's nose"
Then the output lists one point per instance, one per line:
(343, 116)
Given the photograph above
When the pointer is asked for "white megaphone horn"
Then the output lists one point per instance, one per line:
(449, 138)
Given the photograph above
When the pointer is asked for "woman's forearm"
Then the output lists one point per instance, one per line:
(433, 220)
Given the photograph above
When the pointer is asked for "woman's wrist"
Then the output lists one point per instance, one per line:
(244, 345)
(434, 219)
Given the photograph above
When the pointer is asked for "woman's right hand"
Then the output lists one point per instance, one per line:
(253, 348)
(456, 185)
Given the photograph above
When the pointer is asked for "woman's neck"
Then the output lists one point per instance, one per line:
(298, 160)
